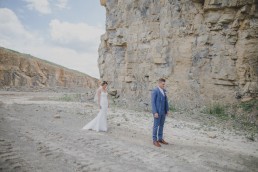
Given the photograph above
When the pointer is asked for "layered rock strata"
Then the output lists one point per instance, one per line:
(21, 70)
(206, 49)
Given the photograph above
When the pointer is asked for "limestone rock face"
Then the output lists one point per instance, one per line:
(206, 49)
(21, 70)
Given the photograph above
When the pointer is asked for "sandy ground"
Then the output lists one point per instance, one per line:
(38, 133)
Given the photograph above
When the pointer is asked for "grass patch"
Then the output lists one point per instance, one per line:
(172, 108)
(70, 98)
(243, 122)
(249, 127)
(217, 110)
(249, 106)
(251, 137)
(240, 117)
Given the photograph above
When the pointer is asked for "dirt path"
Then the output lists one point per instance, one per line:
(37, 134)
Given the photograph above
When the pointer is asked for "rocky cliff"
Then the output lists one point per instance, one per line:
(206, 49)
(24, 71)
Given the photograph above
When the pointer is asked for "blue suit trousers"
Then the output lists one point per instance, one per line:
(158, 127)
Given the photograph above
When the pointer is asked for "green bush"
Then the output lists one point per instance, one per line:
(65, 98)
(70, 98)
(172, 108)
(248, 106)
(217, 110)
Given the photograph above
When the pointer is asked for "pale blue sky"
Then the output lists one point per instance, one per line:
(66, 32)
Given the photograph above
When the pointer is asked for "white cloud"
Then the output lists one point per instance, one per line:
(41, 6)
(84, 62)
(65, 32)
(10, 26)
(62, 4)
(13, 35)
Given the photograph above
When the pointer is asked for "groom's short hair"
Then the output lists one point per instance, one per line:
(162, 80)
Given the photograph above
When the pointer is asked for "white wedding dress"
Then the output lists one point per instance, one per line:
(99, 123)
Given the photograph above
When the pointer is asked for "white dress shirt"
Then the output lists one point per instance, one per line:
(161, 90)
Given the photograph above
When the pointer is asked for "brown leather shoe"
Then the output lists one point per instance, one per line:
(156, 143)
(163, 142)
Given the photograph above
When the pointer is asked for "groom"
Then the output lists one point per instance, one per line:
(159, 104)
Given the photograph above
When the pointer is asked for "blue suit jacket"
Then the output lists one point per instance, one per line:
(157, 101)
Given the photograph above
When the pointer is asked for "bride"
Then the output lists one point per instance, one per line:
(99, 123)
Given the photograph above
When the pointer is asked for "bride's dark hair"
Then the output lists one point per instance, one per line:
(104, 83)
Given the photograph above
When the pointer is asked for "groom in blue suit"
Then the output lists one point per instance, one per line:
(159, 103)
